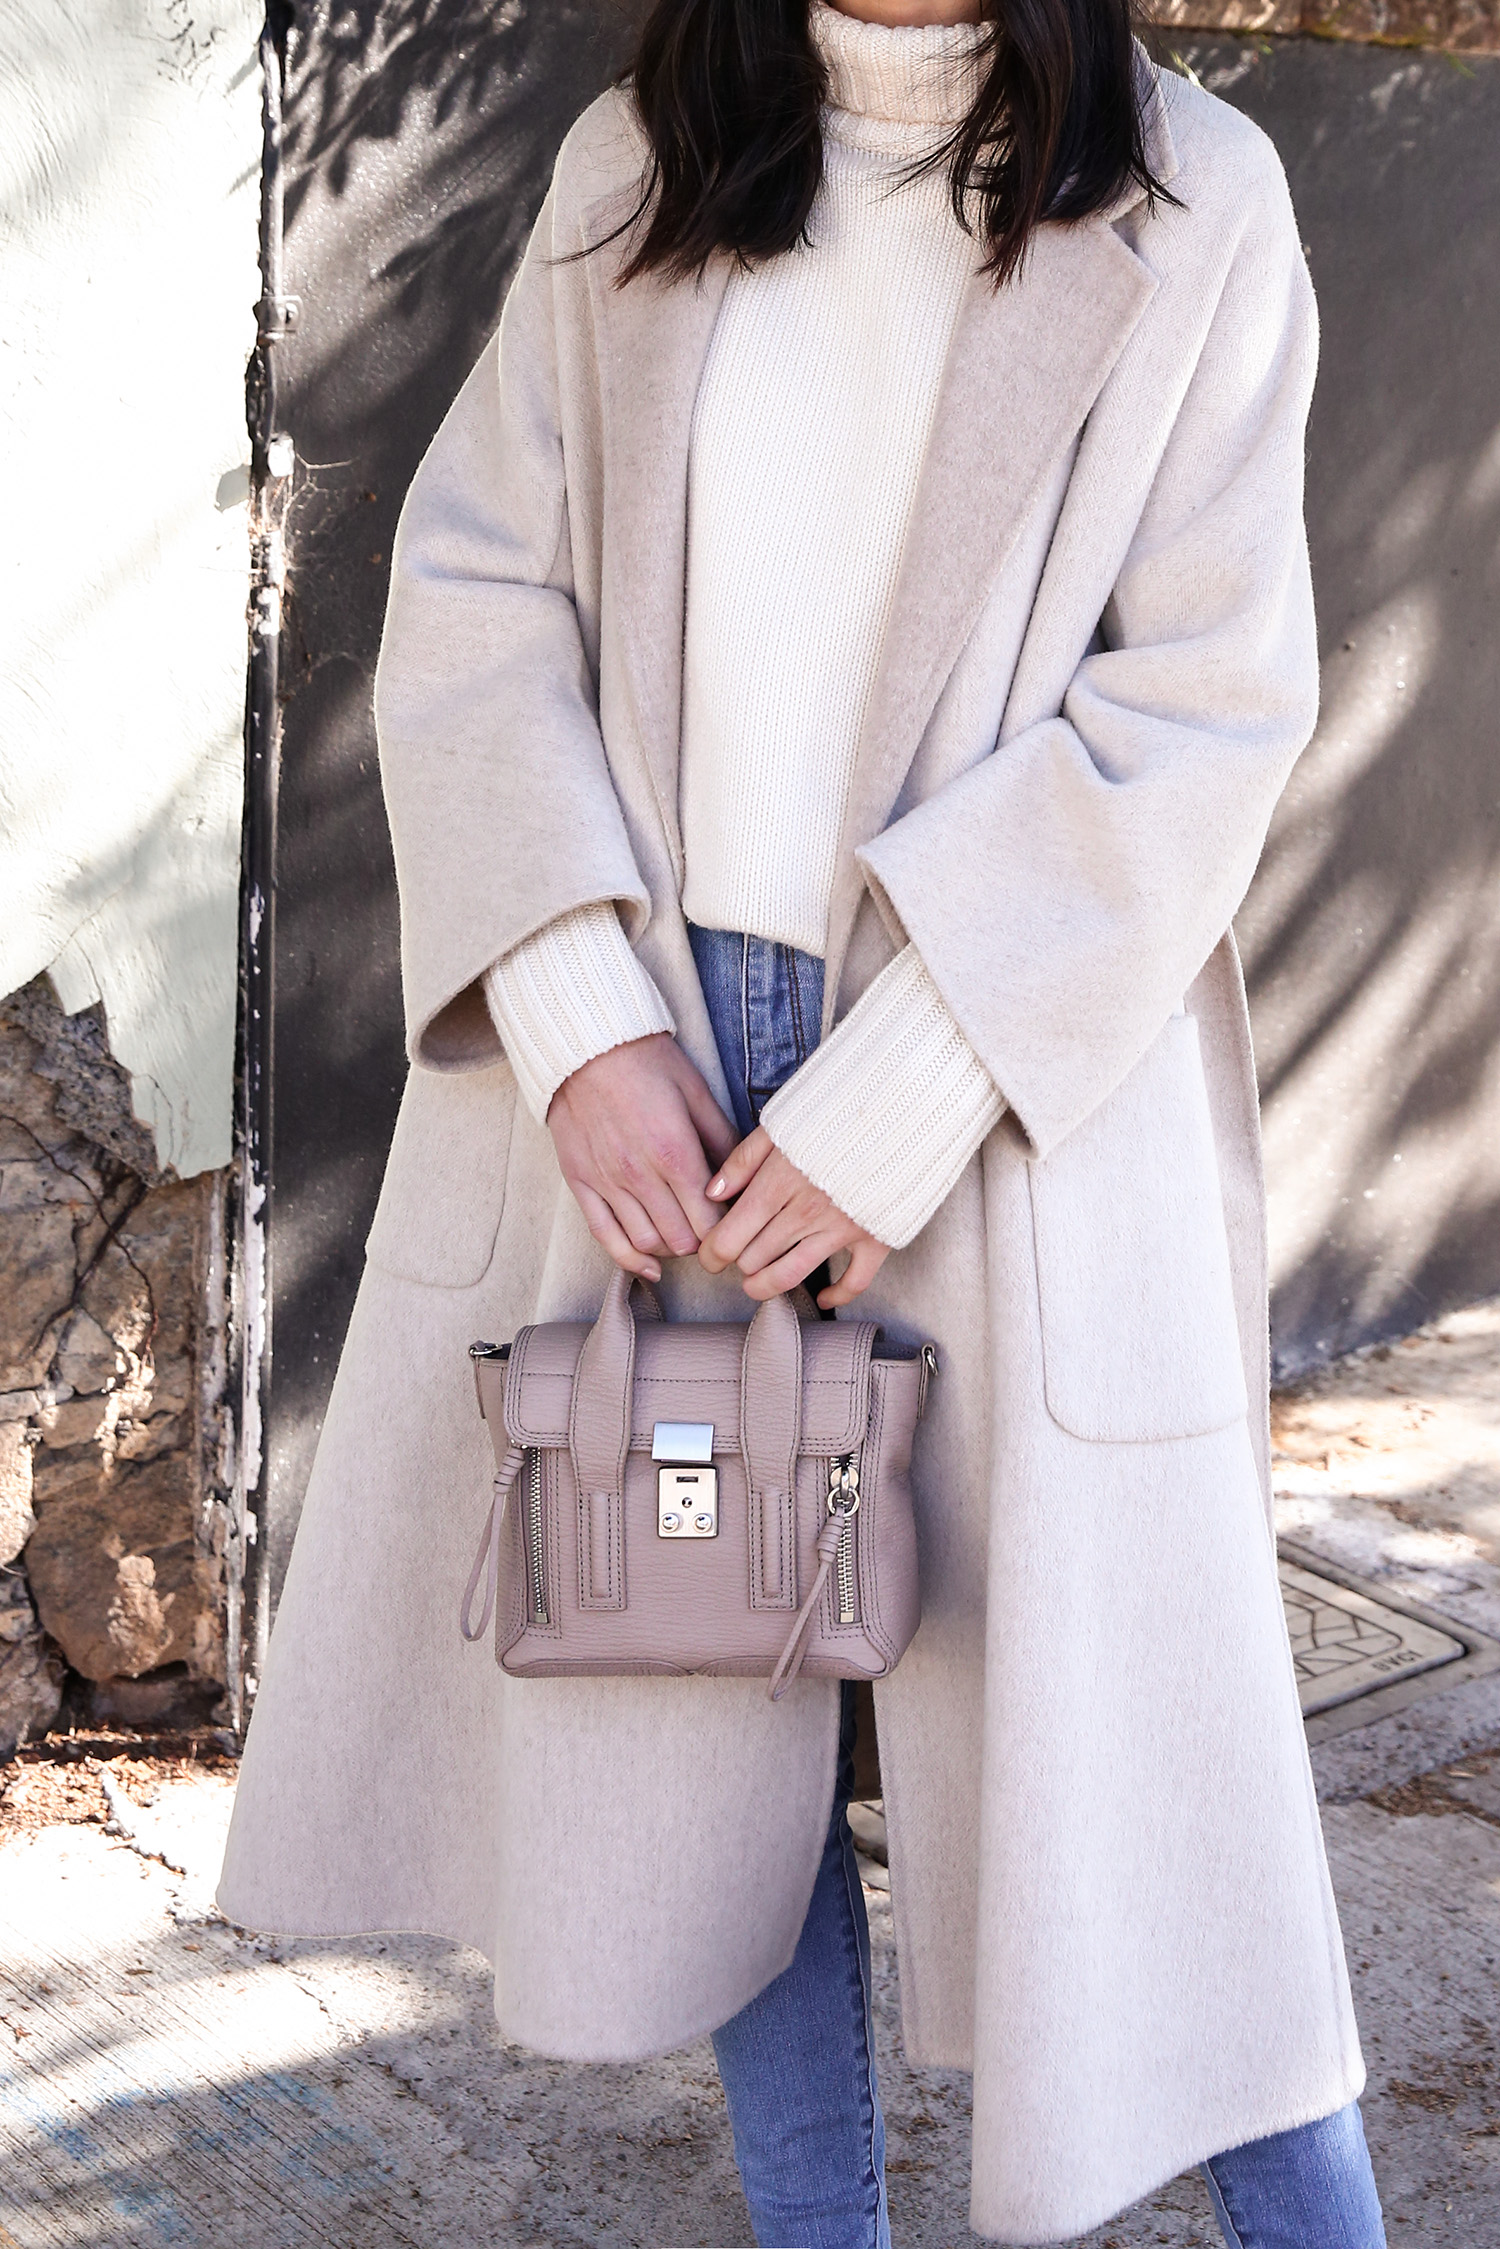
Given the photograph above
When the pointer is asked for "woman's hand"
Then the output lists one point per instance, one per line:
(637, 1134)
(782, 1227)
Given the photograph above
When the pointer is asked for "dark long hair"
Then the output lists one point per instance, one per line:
(729, 93)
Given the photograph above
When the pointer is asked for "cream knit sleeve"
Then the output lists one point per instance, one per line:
(568, 992)
(886, 1113)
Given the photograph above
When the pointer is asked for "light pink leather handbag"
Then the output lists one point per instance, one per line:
(699, 1496)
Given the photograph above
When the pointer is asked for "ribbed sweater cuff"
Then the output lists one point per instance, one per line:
(886, 1113)
(571, 991)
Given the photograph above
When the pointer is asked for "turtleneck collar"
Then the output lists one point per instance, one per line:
(892, 86)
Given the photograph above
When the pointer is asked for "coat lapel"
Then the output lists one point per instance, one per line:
(1025, 366)
(653, 338)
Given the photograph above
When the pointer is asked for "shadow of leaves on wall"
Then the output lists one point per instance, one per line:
(461, 106)
(1371, 938)
(420, 134)
(419, 139)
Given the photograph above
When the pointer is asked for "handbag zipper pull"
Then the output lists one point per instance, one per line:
(835, 1552)
(489, 1549)
(843, 1484)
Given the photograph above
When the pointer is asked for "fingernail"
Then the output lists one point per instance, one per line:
(653, 1272)
(716, 1186)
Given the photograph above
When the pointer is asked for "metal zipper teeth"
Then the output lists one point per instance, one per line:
(843, 1482)
(535, 1558)
(845, 1568)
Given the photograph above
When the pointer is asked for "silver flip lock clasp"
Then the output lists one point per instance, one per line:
(687, 1483)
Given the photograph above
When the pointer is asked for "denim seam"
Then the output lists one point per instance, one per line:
(794, 997)
(1227, 2226)
(867, 2093)
(751, 1110)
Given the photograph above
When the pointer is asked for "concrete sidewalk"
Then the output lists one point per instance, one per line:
(165, 2080)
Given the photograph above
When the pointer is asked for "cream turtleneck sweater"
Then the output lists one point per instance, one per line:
(812, 417)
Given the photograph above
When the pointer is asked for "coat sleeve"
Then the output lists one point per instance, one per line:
(1064, 893)
(486, 705)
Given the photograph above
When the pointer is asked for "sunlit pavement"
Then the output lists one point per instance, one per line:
(167, 2080)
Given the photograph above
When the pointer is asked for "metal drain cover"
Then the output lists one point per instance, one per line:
(1347, 1643)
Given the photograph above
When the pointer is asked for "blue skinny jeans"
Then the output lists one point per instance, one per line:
(798, 2064)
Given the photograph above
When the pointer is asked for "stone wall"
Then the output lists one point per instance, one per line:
(1463, 27)
(113, 1442)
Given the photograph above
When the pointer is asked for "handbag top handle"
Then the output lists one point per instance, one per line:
(770, 1393)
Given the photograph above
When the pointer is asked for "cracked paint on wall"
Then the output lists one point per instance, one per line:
(129, 155)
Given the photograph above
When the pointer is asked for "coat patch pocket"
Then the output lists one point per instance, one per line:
(1139, 1338)
(444, 1187)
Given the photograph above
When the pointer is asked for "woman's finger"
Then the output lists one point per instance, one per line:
(627, 1212)
(781, 1232)
(794, 1266)
(755, 1208)
(741, 1165)
(610, 1234)
(687, 1171)
(635, 1218)
(662, 1207)
(866, 1261)
(713, 1128)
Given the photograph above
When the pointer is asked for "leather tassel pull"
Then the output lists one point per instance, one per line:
(489, 1547)
(790, 1661)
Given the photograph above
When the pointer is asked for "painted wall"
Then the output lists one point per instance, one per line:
(420, 146)
(1372, 934)
(420, 140)
(129, 155)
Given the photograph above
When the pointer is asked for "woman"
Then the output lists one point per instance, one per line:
(845, 645)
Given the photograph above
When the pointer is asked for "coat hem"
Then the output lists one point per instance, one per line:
(619, 2051)
(1056, 2231)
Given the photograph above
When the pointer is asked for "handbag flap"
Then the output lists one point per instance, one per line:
(684, 1371)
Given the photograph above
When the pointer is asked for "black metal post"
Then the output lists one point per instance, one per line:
(271, 459)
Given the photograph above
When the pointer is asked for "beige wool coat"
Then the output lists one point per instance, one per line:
(1110, 1891)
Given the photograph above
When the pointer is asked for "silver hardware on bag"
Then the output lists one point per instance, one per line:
(843, 1501)
(481, 1351)
(687, 1444)
(687, 1483)
(687, 1503)
(843, 1485)
(535, 1551)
